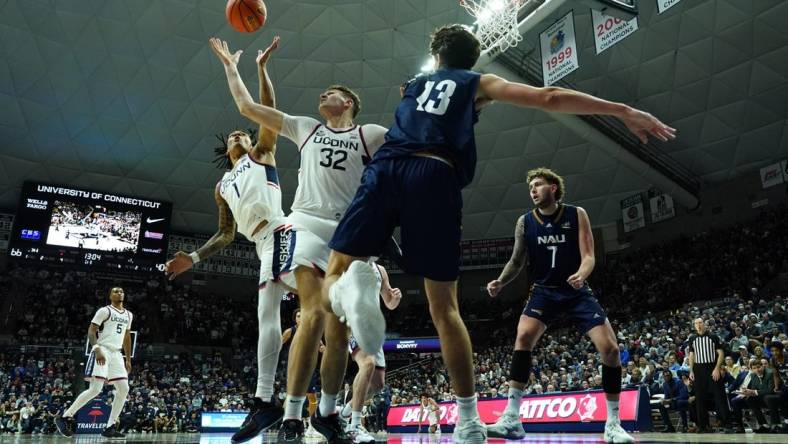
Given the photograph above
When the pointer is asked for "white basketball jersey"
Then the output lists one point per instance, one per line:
(331, 166)
(113, 324)
(252, 192)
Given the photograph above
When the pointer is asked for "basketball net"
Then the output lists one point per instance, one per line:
(496, 22)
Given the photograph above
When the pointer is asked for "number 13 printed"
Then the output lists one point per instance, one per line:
(440, 104)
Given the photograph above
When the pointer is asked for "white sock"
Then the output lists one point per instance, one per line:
(328, 403)
(269, 338)
(467, 408)
(293, 407)
(346, 410)
(515, 397)
(355, 419)
(612, 411)
(121, 391)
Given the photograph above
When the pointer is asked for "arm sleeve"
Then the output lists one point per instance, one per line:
(298, 128)
(101, 316)
(374, 136)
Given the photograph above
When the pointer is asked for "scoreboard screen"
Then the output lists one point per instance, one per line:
(72, 226)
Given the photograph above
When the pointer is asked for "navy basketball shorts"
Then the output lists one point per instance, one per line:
(422, 196)
(580, 306)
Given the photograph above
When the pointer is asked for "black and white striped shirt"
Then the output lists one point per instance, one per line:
(705, 347)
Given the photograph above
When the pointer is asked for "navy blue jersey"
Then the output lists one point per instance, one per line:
(553, 246)
(437, 114)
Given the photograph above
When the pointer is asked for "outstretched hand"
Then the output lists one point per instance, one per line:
(178, 264)
(643, 125)
(221, 50)
(263, 55)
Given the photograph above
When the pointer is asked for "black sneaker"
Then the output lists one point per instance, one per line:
(65, 426)
(112, 432)
(262, 417)
(291, 431)
(331, 427)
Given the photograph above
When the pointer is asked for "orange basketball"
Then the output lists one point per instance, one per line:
(246, 15)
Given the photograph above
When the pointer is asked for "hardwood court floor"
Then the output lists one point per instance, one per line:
(223, 438)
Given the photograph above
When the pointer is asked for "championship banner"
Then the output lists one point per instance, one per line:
(662, 208)
(555, 412)
(559, 49)
(610, 30)
(664, 5)
(772, 175)
(93, 417)
(633, 213)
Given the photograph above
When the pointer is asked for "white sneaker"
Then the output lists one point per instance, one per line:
(354, 299)
(614, 433)
(361, 435)
(508, 426)
(470, 432)
(311, 433)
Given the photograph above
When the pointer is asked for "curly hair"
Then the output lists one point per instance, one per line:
(456, 45)
(551, 177)
(221, 157)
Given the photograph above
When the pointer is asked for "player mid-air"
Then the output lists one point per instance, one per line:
(109, 340)
(555, 241)
(415, 182)
(248, 196)
(332, 157)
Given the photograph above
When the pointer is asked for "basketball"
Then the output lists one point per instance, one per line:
(246, 15)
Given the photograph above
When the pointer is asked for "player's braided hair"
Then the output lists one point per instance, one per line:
(551, 177)
(456, 46)
(221, 157)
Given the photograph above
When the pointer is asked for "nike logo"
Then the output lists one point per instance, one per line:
(151, 221)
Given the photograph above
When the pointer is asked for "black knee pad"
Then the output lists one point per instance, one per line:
(611, 379)
(521, 366)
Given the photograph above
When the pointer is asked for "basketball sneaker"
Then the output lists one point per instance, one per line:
(508, 426)
(614, 433)
(65, 426)
(311, 433)
(354, 299)
(331, 427)
(470, 432)
(291, 431)
(262, 417)
(360, 434)
(112, 432)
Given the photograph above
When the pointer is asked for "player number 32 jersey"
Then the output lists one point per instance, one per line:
(113, 324)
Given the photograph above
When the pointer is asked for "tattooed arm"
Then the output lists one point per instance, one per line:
(515, 264)
(224, 235)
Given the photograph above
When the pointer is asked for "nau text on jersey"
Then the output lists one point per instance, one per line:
(551, 239)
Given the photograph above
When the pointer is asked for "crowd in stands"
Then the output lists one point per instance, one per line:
(729, 265)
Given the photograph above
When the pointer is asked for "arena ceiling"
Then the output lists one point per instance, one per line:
(126, 96)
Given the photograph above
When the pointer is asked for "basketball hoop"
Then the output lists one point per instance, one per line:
(496, 22)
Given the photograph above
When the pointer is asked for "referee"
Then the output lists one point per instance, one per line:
(706, 359)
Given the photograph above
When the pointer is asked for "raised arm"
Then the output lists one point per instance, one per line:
(266, 142)
(224, 235)
(516, 262)
(391, 296)
(562, 100)
(587, 259)
(266, 116)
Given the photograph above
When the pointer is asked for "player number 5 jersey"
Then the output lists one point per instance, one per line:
(113, 324)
